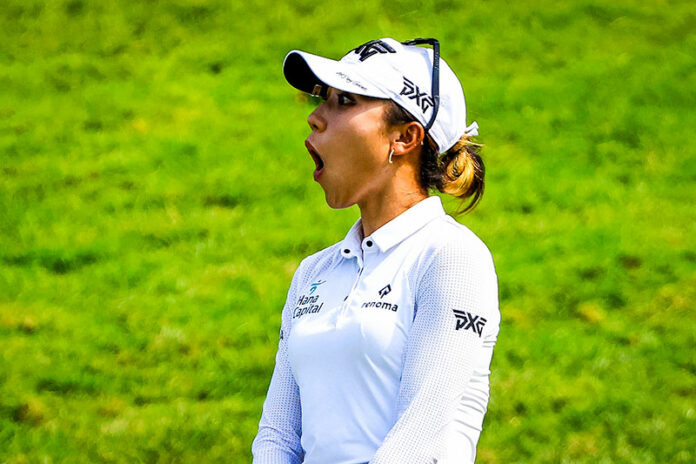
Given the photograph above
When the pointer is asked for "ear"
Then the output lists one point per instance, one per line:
(408, 138)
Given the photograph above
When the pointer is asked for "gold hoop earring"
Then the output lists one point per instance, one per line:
(390, 156)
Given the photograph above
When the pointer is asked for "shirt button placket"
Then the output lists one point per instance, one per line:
(346, 302)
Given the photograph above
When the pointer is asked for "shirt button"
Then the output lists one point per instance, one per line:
(346, 251)
(369, 243)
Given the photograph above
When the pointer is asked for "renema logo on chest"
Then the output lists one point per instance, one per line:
(381, 304)
(307, 305)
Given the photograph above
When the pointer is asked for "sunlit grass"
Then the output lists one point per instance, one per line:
(155, 199)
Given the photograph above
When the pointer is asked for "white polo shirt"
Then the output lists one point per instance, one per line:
(385, 348)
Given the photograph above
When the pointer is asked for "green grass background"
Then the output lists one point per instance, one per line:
(156, 197)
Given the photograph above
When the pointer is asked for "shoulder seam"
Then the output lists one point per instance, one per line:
(480, 245)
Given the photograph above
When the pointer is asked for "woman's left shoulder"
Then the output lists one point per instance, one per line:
(449, 238)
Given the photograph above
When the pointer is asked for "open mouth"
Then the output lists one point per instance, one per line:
(318, 161)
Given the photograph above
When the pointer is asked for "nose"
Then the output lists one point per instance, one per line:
(316, 121)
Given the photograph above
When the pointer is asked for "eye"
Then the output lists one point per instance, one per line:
(344, 99)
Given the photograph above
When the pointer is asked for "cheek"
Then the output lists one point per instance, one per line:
(370, 141)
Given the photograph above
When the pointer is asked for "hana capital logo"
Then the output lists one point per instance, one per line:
(309, 304)
(315, 285)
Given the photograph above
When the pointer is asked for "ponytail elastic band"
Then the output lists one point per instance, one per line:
(471, 130)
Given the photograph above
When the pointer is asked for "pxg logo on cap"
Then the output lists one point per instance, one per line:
(371, 48)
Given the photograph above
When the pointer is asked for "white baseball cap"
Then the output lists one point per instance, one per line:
(389, 69)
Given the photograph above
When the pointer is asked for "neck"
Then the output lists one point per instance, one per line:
(380, 209)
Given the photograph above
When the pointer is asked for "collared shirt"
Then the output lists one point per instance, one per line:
(385, 347)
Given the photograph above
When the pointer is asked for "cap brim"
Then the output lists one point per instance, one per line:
(304, 71)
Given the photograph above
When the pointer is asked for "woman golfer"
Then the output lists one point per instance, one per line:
(387, 336)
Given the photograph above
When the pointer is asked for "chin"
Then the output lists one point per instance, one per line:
(336, 204)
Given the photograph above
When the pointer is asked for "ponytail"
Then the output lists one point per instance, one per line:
(462, 173)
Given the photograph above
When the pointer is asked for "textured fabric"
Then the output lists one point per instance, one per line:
(385, 347)
(278, 439)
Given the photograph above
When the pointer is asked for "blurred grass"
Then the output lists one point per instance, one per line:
(155, 199)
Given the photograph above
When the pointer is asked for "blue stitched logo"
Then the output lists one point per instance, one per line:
(313, 287)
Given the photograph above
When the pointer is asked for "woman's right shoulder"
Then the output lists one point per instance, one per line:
(307, 272)
(315, 264)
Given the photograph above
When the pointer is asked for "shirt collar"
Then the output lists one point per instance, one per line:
(394, 231)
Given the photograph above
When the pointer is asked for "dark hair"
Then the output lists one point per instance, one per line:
(458, 172)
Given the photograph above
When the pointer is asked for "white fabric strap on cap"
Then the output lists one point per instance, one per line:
(471, 130)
